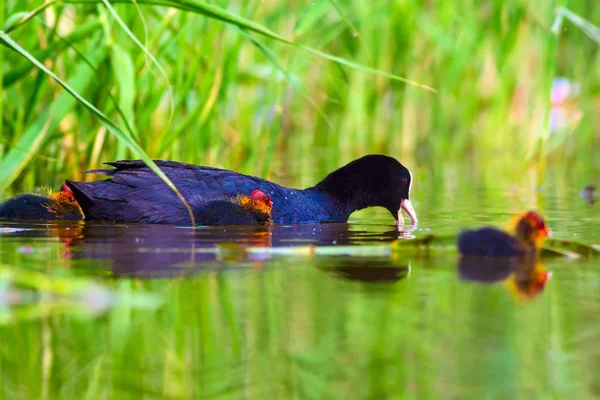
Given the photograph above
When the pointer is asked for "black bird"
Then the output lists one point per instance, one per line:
(136, 194)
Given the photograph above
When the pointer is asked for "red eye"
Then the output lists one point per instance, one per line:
(404, 182)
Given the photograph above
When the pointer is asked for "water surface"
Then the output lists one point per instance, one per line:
(138, 311)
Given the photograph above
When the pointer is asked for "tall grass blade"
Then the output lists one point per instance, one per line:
(591, 30)
(125, 76)
(54, 49)
(148, 54)
(350, 25)
(17, 158)
(22, 18)
(294, 82)
(360, 67)
(228, 17)
(124, 138)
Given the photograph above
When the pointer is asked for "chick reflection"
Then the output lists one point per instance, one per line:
(529, 280)
(489, 255)
(486, 269)
(525, 277)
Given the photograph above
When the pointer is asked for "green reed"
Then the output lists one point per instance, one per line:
(251, 85)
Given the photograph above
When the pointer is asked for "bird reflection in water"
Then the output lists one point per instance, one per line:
(525, 277)
(368, 269)
(159, 251)
(374, 269)
(490, 255)
(529, 280)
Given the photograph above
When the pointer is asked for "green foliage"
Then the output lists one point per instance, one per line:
(248, 85)
(285, 89)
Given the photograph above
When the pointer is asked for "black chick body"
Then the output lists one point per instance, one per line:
(39, 207)
(489, 242)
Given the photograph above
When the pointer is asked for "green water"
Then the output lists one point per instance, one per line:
(119, 312)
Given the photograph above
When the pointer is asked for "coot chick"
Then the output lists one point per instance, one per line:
(39, 206)
(254, 209)
(530, 231)
(134, 193)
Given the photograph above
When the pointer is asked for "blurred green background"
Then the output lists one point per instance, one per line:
(204, 83)
(290, 90)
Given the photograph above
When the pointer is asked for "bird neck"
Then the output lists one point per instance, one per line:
(346, 192)
(341, 197)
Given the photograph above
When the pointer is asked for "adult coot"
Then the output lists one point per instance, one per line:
(135, 194)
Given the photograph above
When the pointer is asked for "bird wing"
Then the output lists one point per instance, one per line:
(134, 193)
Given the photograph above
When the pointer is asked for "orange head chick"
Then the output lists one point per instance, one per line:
(257, 204)
(63, 205)
(530, 229)
(257, 201)
(43, 205)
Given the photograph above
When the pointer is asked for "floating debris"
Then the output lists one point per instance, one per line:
(525, 277)
(571, 247)
(589, 194)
